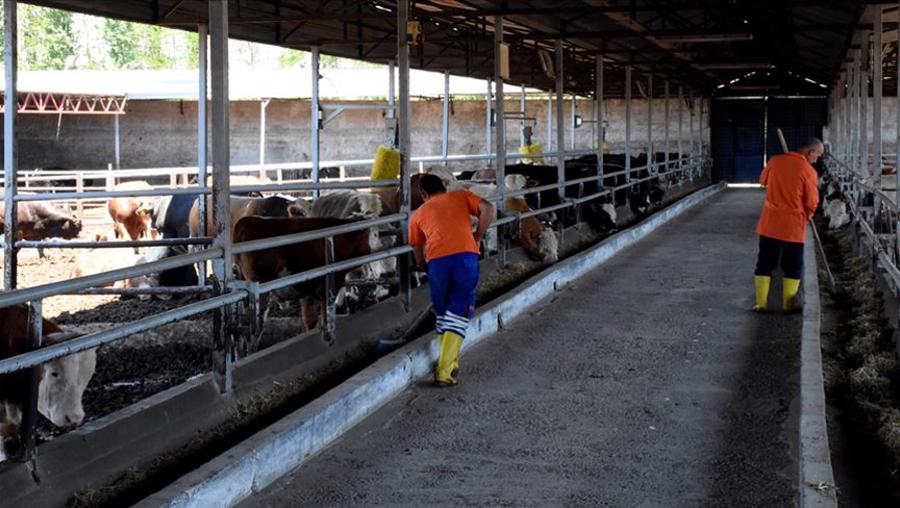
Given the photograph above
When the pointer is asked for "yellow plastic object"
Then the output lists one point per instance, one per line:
(762, 283)
(529, 149)
(605, 147)
(791, 287)
(448, 361)
(387, 164)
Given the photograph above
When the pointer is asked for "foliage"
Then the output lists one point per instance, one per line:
(135, 46)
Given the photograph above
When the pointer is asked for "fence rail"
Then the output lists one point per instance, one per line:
(686, 168)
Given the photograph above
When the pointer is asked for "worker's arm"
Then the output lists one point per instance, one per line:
(419, 253)
(810, 196)
(485, 217)
(764, 176)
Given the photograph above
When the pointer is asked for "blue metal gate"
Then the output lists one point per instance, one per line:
(743, 132)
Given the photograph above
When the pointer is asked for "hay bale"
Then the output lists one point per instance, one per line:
(868, 384)
(863, 345)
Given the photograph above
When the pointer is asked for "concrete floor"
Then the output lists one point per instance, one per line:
(649, 383)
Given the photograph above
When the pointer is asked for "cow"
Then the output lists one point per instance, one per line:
(101, 260)
(269, 264)
(131, 215)
(353, 204)
(38, 221)
(62, 381)
(241, 206)
(390, 196)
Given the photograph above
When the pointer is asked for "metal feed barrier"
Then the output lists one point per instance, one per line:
(686, 169)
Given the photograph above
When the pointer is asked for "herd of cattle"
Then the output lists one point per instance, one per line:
(254, 217)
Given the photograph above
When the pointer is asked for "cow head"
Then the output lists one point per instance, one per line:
(41, 220)
(298, 207)
(548, 245)
(63, 382)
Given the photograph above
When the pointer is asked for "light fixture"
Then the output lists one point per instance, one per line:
(736, 37)
(578, 121)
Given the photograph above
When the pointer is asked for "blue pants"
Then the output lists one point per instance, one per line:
(451, 281)
(790, 254)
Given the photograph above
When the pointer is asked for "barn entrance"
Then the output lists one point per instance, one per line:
(743, 132)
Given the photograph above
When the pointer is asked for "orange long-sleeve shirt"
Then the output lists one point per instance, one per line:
(791, 197)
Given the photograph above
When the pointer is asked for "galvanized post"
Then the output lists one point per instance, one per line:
(315, 124)
(666, 124)
(693, 153)
(897, 147)
(223, 349)
(202, 136)
(522, 122)
(445, 118)
(599, 117)
(864, 112)
(560, 122)
(10, 148)
(549, 123)
(501, 136)
(572, 143)
(680, 130)
(35, 330)
(392, 106)
(876, 102)
(328, 327)
(405, 148)
(118, 141)
(650, 158)
(263, 104)
(627, 123)
(489, 116)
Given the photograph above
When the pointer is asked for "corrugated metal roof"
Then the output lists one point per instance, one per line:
(283, 84)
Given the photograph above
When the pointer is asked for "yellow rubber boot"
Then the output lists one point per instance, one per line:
(791, 287)
(448, 361)
(762, 292)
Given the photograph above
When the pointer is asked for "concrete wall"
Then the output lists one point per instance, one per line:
(164, 133)
(888, 127)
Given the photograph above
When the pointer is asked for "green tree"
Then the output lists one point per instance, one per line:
(47, 38)
(121, 41)
(192, 55)
(293, 58)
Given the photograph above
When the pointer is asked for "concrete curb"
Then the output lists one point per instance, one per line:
(276, 450)
(816, 479)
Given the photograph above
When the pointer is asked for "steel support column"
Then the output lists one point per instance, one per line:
(202, 133)
(489, 127)
(405, 148)
(560, 120)
(680, 125)
(598, 94)
(572, 143)
(118, 141)
(500, 125)
(522, 122)
(627, 123)
(10, 148)
(666, 124)
(876, 93)
(263, 104)
(316, 112)
(866, 169)
(650, 161)
(223, 349)
(445, 119)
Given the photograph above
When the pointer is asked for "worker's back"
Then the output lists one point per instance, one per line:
(791, 197)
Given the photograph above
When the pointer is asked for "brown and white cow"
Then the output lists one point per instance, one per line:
(242, 206)
(131, 215)
(62, 382)
(37, 221)
(270, 264)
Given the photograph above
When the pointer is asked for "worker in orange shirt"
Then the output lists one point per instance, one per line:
(791, 201)
(440, 232)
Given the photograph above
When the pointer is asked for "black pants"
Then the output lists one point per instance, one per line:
(770, 250)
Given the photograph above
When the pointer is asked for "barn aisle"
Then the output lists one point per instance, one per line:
(648, 383)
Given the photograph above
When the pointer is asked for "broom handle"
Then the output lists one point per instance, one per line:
(784, 147)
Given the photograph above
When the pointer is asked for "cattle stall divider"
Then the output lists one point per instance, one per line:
(240, 291)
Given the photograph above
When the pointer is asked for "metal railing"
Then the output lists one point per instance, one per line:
(687, 168)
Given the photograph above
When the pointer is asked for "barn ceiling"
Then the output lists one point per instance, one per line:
(752, 47)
